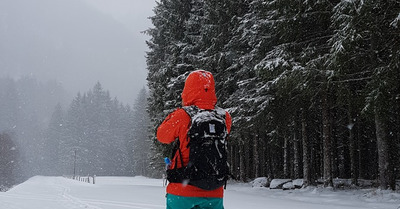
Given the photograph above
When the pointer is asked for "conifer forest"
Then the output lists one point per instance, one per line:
(94, 134)
(312, 86)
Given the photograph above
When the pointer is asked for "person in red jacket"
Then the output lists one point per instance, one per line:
(199, 90)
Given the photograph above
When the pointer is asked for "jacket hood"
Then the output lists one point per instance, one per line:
(199, 90)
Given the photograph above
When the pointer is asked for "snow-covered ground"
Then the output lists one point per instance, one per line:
(143, 193)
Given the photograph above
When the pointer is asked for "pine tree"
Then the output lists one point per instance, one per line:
(321, 75)
(382, 50)
(141, 143)
(366, 37)
(8, 161)
(9, 103)
(74, 129)
(54, 138)
(97, 129)
(166, 65)
(351, 79)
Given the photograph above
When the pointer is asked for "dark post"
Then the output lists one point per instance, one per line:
(74, 163)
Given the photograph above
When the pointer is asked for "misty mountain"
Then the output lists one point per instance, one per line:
(65, 40)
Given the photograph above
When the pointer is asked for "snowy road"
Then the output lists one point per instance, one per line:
(142, 193)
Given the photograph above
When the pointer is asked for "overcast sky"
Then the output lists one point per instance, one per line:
(77, 42)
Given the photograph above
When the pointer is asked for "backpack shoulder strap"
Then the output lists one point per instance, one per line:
(220, 111)
(191, 110)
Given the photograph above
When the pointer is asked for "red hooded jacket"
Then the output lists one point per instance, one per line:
(199, 90)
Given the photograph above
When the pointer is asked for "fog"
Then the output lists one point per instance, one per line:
(70, 73)
(77, 43)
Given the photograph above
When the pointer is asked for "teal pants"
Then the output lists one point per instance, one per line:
(179, 202)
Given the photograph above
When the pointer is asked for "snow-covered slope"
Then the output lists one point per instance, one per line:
(139, 192)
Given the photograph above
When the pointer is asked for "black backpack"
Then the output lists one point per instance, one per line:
(208, 167)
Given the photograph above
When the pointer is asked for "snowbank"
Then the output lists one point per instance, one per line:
(261, 182)
(145, 193)
(278, 183)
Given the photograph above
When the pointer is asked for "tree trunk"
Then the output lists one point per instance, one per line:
(337, 156)
(232, 160)
(396, 140)
(326, 135)
(237, 161)
(361, 150)
(256, 158)
(242, 173)
(296, 152)
(353, 145)
(263, 161)
(268, 155)
(247, 158)
(383, 151)
(286, 166)
(306, 155)
(396, 156)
